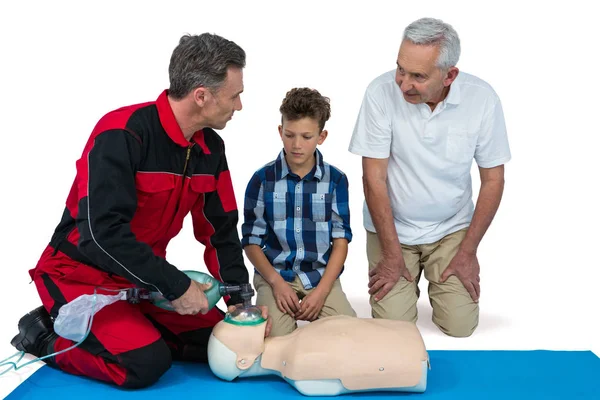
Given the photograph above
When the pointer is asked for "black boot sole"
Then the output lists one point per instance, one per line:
(39, 315)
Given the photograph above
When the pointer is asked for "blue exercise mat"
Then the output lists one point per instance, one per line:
(453, 375)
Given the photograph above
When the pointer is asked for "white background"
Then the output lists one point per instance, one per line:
(64, 65)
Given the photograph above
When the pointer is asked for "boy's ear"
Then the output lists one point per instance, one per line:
(322, 136)
(280, 129)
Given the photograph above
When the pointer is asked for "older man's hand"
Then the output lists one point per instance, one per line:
(465, 267)
(386, 274)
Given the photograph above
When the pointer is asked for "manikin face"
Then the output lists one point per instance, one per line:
(418, 76)
(219, 105)
(300, 139)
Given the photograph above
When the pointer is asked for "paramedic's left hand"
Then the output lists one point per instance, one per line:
(465, 267)
(265, 315)
(311, 305)
(193, 301)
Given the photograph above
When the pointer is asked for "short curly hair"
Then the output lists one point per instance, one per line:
(304, 102)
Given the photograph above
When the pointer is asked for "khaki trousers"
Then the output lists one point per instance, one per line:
(336, 303)
(454, 312)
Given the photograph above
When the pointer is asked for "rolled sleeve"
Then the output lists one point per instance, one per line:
(254, 228)
(341, 211)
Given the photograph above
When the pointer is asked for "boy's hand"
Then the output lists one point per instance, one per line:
(311, 305)
(285, 297)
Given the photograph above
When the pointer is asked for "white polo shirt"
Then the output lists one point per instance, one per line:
(430, 153)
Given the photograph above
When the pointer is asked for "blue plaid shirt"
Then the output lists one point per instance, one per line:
(295, 220)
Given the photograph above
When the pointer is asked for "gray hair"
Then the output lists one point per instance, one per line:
(202, 60)
(430, 31)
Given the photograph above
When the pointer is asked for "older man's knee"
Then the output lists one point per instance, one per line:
(395, 309)
(457, 325)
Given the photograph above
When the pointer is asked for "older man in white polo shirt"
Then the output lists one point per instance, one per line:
(418, 130)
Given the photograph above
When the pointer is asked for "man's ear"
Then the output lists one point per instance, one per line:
(451, 75)
(322, 136)
(201, 95)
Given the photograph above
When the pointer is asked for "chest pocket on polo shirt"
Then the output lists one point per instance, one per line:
(320, 206)
(460, 145)
(276, 204)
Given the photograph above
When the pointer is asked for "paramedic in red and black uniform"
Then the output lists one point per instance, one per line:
(144, 168)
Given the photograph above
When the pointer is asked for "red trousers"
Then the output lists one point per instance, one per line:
(131, 345)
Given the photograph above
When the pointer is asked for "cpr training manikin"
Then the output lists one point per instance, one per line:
(327, 357)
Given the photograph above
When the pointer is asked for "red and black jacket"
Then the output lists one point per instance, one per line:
(137, 179)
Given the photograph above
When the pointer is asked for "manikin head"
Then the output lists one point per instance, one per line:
(234, 347)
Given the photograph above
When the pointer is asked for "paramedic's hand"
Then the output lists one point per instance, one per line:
(465, 267)
(193, 301)
(311, 305)
(265, 315)
(385, 275)
(285, 297)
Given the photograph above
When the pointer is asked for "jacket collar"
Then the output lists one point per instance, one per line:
(170, 125)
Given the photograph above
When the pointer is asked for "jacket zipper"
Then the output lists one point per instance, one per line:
(187, 158)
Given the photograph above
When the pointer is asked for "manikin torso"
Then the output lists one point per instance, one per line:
(329, 356)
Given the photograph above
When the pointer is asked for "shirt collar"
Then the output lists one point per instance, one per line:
(282, 169)
(170, 125)
(454, 94)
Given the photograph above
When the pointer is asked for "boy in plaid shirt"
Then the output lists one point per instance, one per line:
(296, 226)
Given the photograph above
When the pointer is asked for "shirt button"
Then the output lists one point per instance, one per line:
(297, 208)
(298, 230)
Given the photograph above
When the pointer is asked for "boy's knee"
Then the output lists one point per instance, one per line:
(337, 304)
(146, 365)
(349, 312)
(283, 326)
